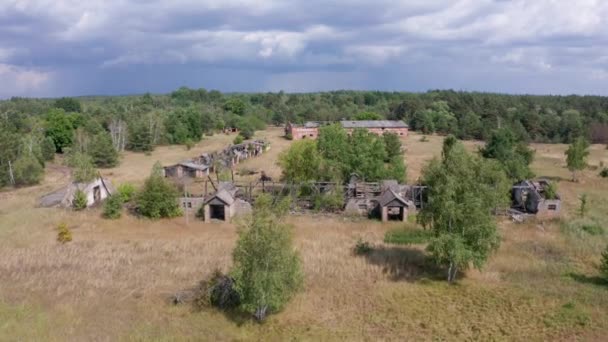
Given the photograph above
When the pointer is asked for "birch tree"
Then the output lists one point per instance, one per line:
(463, 193)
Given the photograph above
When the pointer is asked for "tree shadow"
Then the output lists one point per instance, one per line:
(405, 264)
(585, 279)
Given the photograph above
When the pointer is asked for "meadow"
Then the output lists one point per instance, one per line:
(114, 280)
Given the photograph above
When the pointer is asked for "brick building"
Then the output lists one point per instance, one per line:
(310, 130)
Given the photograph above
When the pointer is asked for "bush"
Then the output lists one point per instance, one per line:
(362, 247)
(604, 263)
(289, 136)
(424, 138)
(158, 198)
(102, 151)
(126, 191)
(604, 172)
(112, 208)
(189, 144)
(551, 191)
(267, 268)
(80, 200)
(331, 202)
(63, 233)
(238, 140)
(593, 229)
(408, 236)
(27, 170)
(220, 292)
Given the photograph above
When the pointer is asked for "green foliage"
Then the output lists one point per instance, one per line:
(64, 235)
(112, 208)
(408, 236)
(60, 128)
(514, 155)
(84, 170)
(582, 209)
(68, 104)
(331, 201)
(219, 291)
(80, 200)
(604, 263)
(301, 162)
(48, 149)
(463, 190)
(246, 133)
(568, 314)
(551, 191)
(183, 125)
(27, 170)
(102, 151)
(362, 247)
(235, 105)
(267, 269)
(367, 116)
(158, 198)
(189, 144)
(593, 229)
(140, 139)
(126, 191)
(238, 140)
(576, 156)
(392, 144)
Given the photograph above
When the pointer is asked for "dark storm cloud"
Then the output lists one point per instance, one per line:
(73, 47)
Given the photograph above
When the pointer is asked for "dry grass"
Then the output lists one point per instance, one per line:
(112, 281)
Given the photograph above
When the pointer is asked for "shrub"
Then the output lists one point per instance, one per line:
(80, 200)
(604, 263)
(189, 144)
(220, 292)
(238, 140)
(158, 198)
(362, 247)
(63, 233)
(289, 136)
(424, 138)
(593, 229)
(102, 151)
(126, 191)
(551, 191)
(267, 268)
(27, 170)
(331, 201)
(408, 236)
(604, 172)
(112, 208)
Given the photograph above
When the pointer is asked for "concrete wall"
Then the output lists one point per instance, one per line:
(399, 131)
(299, 133)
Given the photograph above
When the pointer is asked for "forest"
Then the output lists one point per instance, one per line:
(32, 130)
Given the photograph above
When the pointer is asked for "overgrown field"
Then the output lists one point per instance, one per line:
(113, 281)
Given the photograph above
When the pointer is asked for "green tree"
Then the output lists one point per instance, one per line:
(514, 155)
(576, 156)
(334, 148)
(80, 200)
(27, 170)
(102, 151)
(367, 155)
(463, 190)
(59, 127)
(112, 208)
(48, 149)
(423, 122)
(301, 162)
(267, 268)
(140, 139)
(367, 116)
(68, 104)
(83, 169)
(392, 145)
(158, 197)
(235, 106)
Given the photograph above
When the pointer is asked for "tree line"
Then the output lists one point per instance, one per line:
(31, 128)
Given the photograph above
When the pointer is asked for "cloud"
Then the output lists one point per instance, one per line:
(19, 81)
(419, 44)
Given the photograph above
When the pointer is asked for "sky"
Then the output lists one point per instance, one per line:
(51, 48)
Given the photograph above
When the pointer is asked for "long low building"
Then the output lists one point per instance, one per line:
(310, 130)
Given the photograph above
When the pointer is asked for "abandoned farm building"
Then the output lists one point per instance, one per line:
(224, 204)
(310, 129)
(531, 197)
(388, 201)
(96, 191)
(202, 166)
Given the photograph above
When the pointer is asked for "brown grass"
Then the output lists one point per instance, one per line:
(113, 280)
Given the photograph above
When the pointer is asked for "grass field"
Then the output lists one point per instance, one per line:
(112, 282)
